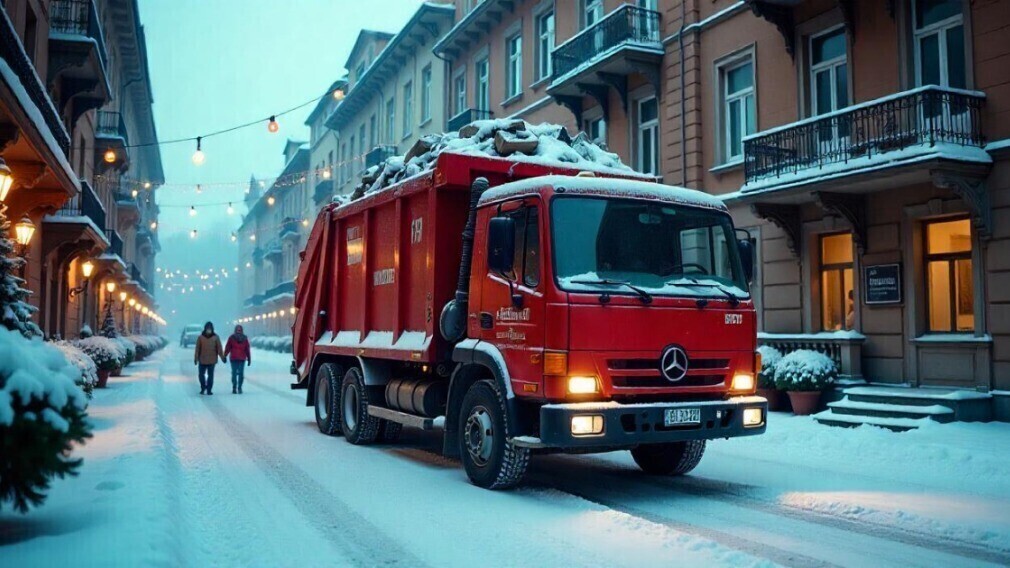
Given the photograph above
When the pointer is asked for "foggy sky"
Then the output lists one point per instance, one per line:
(218, 63)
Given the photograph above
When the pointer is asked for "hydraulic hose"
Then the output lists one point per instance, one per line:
(452, 322)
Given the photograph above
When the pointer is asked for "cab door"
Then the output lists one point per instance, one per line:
(512, 316)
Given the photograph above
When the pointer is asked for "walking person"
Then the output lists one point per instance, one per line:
(238, 350)
(208, 350)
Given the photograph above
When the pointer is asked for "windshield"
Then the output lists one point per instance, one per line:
(602, 243)
(195, 328)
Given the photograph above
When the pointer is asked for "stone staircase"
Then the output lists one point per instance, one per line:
(903, 408)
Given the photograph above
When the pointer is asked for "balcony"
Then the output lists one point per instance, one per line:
(289, 228)
(274, 251)
(280, 289)
(254, 300)
(115, 243)
(137, 277)
(78, 55)
(378, 155)
(127, 207)
(927, 122)
(110, 134)
(466, 117)
(80, 219)
(323, 191)
(624, 42)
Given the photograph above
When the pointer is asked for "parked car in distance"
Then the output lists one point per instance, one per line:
(189, 334)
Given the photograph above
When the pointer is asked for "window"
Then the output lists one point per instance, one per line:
(950, 289)
(358, 72)
(483, 101)
(408, 108)
(361, 147)
(514, 66)
(426, 94)
(545, 43)
(31, 33)
(939, 43)
(343, 164)
(372, 131)
(351, 159)
(526, 263)
(459, 93)
(647, 141)
(391, 121)
(829, 81)
(837, 300)
(596, 129)
(739, 116)
(592, 12)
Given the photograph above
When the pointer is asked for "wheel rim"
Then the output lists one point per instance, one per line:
(479, 435)
(322, 395)
(350, 407)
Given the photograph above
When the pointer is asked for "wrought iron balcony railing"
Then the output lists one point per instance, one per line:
(282, 288)
(920, 118)
(12, 53)
(289, 226)
(78, 17)
(378, 155)
(625, 25)
(466, 117)
(110, 123)
(137, 277)
(115, 243)
(324, 189)
(84, 204)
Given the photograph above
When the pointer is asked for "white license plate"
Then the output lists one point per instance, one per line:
(681, 416)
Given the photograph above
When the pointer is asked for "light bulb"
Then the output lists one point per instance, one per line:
(147, 185)
(192, 234)
(110, 156)
(192, 211)
(271, 200)
(198, 156)
(230, 209)
(338, 94)
(154, 225)
(233, 237)
(326, 173)
(248, 264)
(134, 193)
(252, 237)
(272, 126)
(305, 222)
(199, 189)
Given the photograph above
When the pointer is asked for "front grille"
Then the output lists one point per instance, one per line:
(659, 381)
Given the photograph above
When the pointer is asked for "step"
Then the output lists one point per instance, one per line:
(937, 412)
(831, 418)
(968, 405)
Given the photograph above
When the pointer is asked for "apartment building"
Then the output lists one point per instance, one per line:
(394, 94)
(323, 147)
(272, 236)
(81, 66)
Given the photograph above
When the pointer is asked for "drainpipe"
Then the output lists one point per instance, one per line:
(683, 101)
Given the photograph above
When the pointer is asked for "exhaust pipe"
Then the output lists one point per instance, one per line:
(452, 321)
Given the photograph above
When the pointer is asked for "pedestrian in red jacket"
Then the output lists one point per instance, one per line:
(237, 349)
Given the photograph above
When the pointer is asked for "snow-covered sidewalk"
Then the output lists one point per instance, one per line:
(172, 478)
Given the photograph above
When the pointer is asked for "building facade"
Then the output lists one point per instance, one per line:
(81, 65)
(323, 147)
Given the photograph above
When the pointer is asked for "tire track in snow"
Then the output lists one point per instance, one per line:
(172, 468)
(363, 542)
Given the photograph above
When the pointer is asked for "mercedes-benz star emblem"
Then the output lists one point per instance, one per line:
(673, 363)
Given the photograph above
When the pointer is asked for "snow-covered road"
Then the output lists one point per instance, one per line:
(172, 478)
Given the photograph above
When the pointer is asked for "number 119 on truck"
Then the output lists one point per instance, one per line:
(522, 308)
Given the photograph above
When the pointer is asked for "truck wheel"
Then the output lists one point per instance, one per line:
(359, 428)
(491, 461)
(389, 432)
(675, 458)
(327, 397)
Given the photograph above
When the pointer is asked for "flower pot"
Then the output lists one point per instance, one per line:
(103, 378)
(804, 402)
(776, 399)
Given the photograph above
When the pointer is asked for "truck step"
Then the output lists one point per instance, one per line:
(411, 420)
(831, 418)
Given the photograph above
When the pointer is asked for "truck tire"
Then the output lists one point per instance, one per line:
(327, 399)
(359, 428)
(674, 458)
(389, 432)
(491, 461)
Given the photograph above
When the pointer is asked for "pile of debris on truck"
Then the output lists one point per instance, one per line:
(518, 140)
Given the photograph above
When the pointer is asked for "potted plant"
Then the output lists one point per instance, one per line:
(770, 357)
(104, 353)
(804, 374)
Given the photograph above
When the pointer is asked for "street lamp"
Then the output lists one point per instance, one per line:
(6, 179)
(24, 231)
(86, 269)
(122, 310)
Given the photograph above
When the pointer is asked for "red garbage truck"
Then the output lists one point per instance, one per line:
(521, 308)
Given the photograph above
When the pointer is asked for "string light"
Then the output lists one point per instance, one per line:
(147, 185)
(271, 200)
(154, 225)
(192, 211)
(192, 234)
(326, 173)
(252, 237)
(305, 222)
(230, 209)
(110, 156)
(234, 237)
(338, 94)
(134, 193)
(198, 156)
(199, 189)
(272, 126)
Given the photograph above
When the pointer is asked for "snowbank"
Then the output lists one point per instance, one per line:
(77, 357)
(278, 343)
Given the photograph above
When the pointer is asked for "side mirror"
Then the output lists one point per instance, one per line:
(501, 244)
(746, 249)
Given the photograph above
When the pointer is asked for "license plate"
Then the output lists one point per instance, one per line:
(681, 416)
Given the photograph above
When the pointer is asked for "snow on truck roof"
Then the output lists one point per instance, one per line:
(608, 187)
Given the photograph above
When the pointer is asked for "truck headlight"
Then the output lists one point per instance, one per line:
(587, 425)
(753, 417)
(743, 382)
(582, 385)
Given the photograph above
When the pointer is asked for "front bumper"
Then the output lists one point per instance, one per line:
(629, 425)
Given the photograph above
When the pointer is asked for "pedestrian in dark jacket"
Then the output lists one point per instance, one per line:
(208, 350)
(240, 352)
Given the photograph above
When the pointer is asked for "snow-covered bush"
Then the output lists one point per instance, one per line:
(769, 358)
(42, 415)
(805, 370)
(106, 353)
(15, 311)
(77, 357)
(129, 349)
(85, 332)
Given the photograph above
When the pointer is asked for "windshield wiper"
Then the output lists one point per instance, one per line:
(733, 300)
(642, 294)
